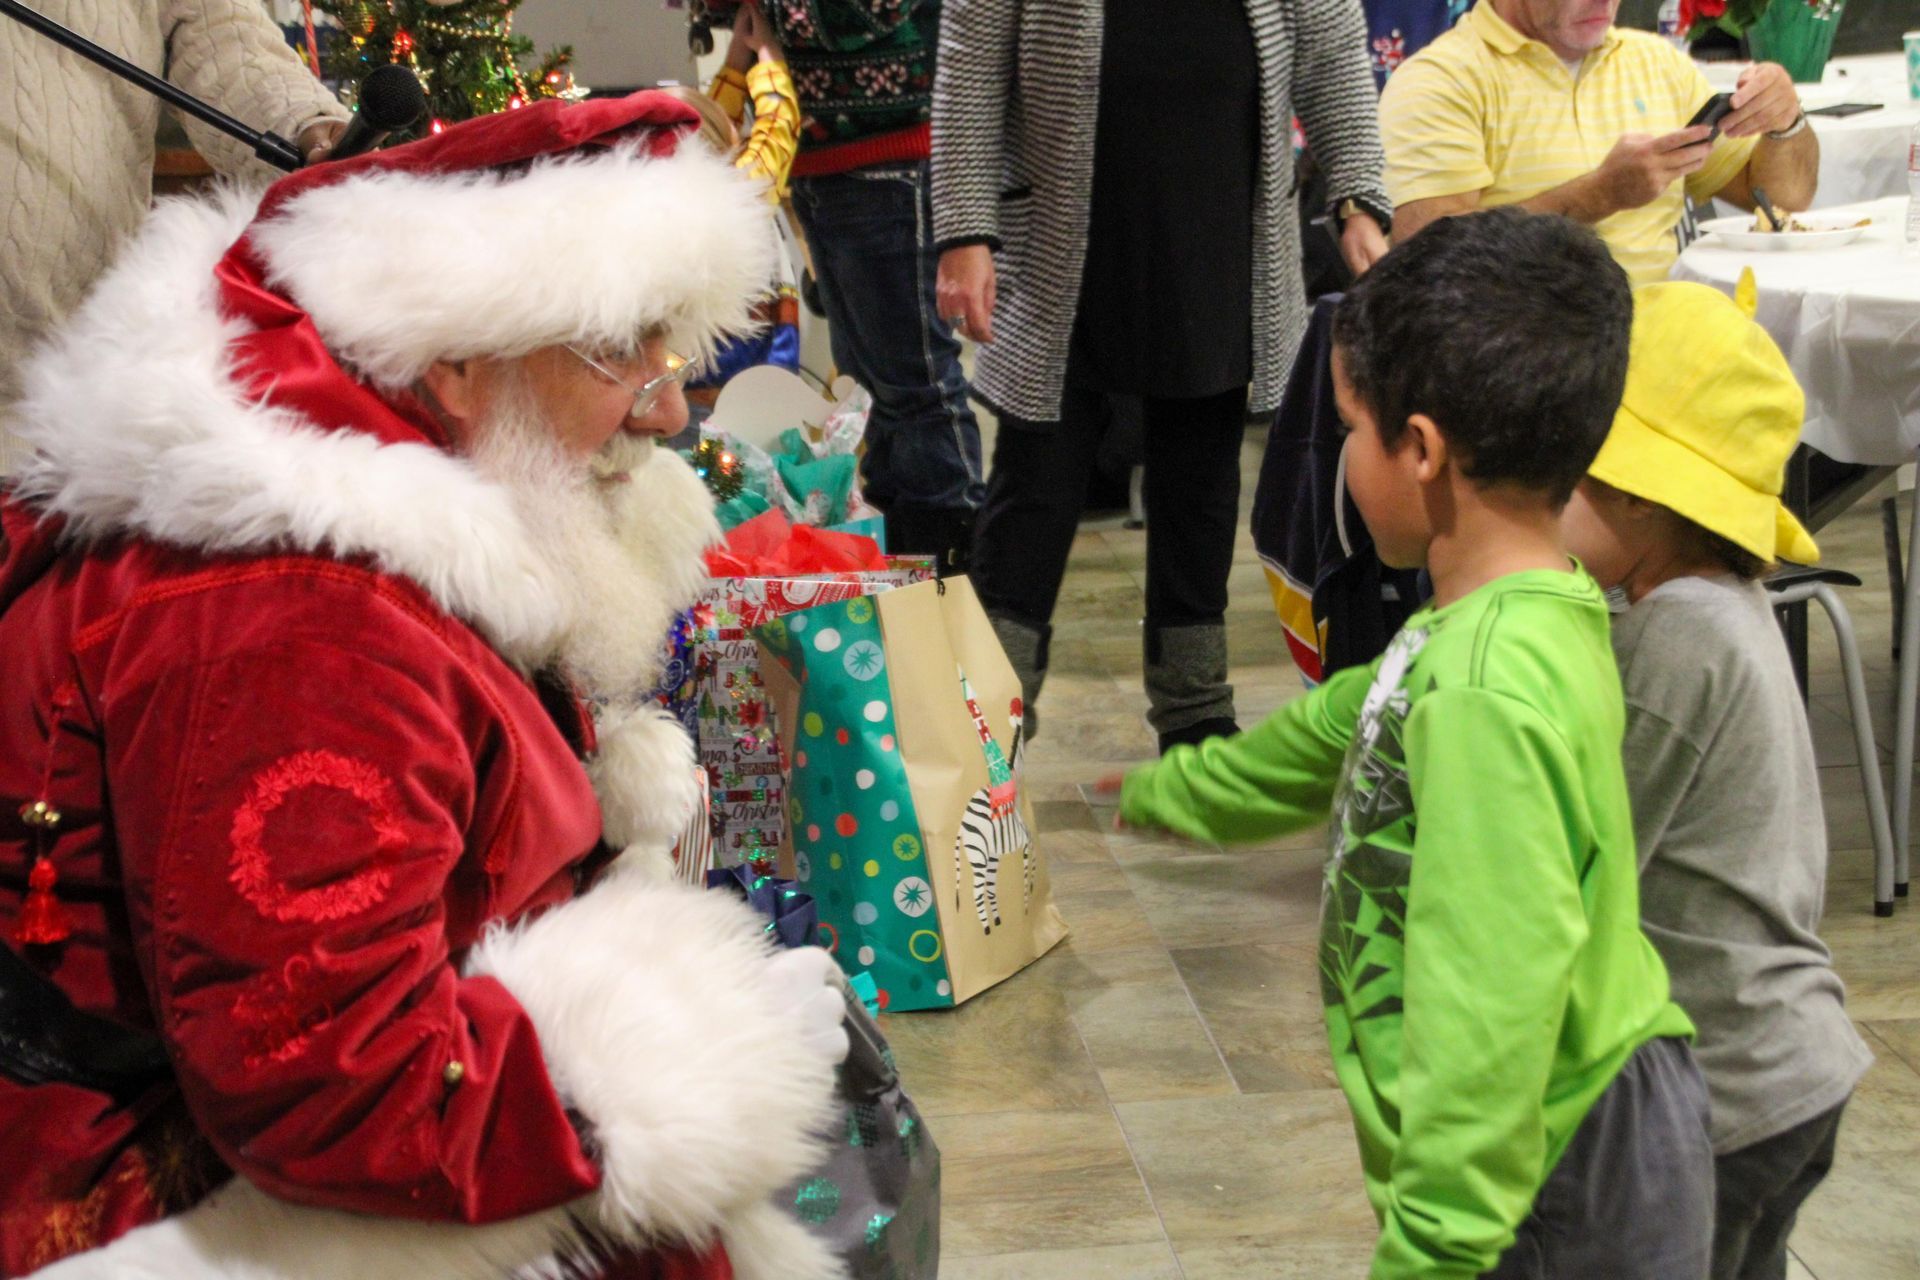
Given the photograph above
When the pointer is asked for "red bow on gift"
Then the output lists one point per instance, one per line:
(767, 546)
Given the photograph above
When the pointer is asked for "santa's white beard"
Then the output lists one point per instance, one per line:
(621, 536)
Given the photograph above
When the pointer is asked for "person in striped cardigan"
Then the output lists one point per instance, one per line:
(1112, 196)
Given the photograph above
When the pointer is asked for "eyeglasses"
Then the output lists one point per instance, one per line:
(648, 393)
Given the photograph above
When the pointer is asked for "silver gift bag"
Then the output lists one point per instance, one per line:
(876, 1199)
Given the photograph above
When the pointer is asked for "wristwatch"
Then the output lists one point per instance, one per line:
(1792, 130)
(1352, 205)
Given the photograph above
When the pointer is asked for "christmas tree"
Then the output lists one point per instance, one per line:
(465, 54)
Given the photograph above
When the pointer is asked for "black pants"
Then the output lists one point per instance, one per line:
(1038, 486)
(1632, 1195)
(1758, 1194)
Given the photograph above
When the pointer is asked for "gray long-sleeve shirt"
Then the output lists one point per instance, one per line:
(1733, 853)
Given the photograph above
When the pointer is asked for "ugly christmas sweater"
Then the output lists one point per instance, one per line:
(1481, 959)
(864, 72)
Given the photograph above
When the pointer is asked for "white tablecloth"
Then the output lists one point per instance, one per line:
(1848, 320)
(1864, 156)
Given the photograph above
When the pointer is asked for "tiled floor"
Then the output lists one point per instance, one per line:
(1154, 1099)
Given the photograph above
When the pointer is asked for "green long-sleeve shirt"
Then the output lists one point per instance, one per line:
(1481, 958)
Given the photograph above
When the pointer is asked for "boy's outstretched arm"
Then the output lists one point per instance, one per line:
(1277, 777)
(1494, 921)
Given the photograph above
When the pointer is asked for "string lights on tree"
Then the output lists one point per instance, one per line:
(718, 466)
(466, 55)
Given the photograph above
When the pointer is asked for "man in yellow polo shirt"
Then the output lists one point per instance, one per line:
(1546, 104)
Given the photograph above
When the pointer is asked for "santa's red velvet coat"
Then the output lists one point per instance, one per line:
(271, 652)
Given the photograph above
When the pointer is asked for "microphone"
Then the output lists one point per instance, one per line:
(391, 100)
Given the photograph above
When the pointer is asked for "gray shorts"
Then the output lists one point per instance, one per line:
(1632, 1196)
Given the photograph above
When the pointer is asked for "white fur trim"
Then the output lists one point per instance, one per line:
(649, 1001)
(401, 269)
(767, 1241)
(242, 1233)
(644, 777)
(139, 428)
(649, 861)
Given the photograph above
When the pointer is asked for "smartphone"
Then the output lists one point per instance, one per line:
(1712, 112)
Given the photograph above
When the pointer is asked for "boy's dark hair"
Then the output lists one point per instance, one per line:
(1726, 553)
(1509, 330)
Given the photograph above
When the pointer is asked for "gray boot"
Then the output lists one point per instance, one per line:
(1188, 696)
(1026, 648)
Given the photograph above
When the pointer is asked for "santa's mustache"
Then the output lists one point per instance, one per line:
(621, 534)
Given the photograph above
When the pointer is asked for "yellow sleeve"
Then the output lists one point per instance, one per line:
(1729, 155)
(729, 92)
(1433, 122)
(769, 149)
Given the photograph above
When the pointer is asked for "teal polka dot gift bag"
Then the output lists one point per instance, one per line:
(909, 823)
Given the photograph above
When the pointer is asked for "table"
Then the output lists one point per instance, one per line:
(1862, 157)
(1848, 320)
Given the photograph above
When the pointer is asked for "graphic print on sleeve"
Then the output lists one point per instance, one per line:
(1370, 857)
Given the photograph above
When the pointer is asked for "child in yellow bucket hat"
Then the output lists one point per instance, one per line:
(1710, 416)
(1681, 509)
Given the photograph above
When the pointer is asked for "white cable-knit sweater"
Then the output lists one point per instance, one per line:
(76, 142)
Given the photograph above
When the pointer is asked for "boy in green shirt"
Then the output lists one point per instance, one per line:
(1525, 1100)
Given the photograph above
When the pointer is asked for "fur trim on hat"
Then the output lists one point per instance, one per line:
(399, 269)
(140, 427)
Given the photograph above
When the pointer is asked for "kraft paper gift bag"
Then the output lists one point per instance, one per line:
(907, 818)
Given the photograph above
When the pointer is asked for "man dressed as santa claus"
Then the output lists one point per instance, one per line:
(336, 944)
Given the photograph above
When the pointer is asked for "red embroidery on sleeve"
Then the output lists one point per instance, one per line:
(252, 872)
(280, 1011)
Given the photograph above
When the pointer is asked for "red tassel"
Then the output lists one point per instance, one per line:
(43, 920)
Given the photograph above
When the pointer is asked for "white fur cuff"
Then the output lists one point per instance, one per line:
(648, 1000)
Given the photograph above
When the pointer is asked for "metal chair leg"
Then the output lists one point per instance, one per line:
(1904, 715)
(1884, 856)
(1896, 572)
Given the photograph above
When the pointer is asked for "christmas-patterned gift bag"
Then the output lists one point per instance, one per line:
(726, 702)
(904, 802)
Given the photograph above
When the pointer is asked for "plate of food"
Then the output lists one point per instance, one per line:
(1802, 231)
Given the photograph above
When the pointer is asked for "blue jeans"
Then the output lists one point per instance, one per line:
(870, 233)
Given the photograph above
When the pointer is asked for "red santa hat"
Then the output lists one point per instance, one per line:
(239, 380)
(586, 223)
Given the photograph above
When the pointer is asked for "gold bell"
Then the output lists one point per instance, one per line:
(455, 1072)
(40, 815)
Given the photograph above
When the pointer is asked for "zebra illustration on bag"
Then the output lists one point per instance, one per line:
(991, 830)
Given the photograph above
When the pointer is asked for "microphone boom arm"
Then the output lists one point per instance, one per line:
(270, 147)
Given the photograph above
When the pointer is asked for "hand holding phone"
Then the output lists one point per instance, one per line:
(1712, 112)
(1641, 167)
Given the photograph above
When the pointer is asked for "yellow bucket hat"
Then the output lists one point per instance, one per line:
(1710, 415)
